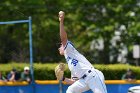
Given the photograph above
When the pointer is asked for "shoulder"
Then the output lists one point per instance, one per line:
(69, 43)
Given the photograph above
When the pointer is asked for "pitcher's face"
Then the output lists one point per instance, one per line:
(61, 50)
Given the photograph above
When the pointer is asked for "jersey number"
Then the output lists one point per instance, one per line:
(74, 62)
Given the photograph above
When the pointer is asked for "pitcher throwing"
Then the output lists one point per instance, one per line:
(83, 75)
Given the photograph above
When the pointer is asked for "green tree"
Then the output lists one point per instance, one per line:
(87, 22)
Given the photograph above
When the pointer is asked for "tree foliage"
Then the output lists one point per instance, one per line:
(87, 22)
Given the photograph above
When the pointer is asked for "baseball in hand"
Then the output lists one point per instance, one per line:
(61, 13)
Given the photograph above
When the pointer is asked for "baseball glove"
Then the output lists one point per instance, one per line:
(59, 71)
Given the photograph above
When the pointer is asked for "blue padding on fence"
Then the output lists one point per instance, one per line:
(119, 88)
(14, 22)
(54, 88)
(111, 88)
(51, 89)
(47, 88)
(16, 89)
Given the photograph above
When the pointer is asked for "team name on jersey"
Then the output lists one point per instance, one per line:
(74, 62)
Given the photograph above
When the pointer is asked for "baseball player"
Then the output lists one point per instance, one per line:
(80, 67)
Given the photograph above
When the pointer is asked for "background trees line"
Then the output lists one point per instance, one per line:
(104, 31)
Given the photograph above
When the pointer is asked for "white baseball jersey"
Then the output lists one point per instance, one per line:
(77, 63)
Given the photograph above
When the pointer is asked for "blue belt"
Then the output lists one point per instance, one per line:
(84, 76)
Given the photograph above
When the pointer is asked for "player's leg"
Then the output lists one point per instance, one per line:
(78, 87)
(96, 83)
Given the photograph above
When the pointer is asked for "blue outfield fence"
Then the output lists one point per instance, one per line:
(111, 88)
(53, 87)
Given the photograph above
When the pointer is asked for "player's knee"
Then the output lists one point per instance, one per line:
(70, 90)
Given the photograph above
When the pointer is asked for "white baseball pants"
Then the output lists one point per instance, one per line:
(93, 81)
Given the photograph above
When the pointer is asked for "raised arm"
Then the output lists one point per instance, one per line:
(63, 34)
